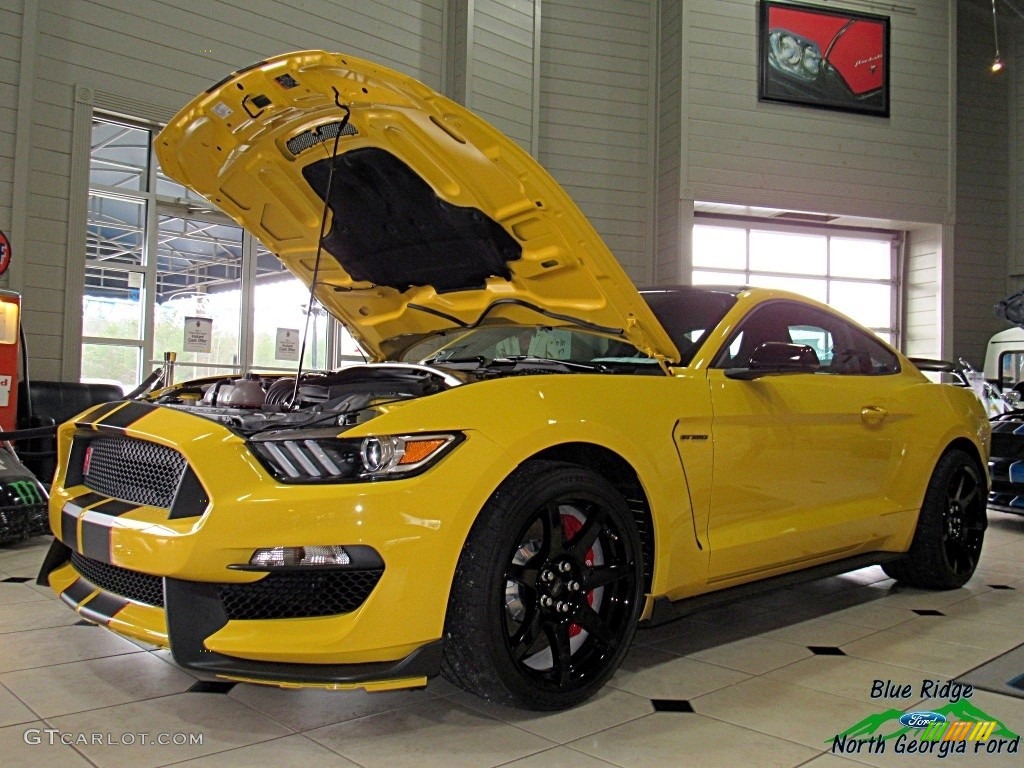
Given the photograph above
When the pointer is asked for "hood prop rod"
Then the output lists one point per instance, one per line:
(319, 246)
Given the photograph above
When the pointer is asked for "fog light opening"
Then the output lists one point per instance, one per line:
(309, 556)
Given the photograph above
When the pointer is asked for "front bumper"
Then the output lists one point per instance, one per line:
(173, 579)
(190, 612)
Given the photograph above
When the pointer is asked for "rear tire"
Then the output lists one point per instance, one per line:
(950, 529)
(548, 590)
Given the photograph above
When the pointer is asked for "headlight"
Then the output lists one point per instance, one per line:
(314, 458)
(792, 55)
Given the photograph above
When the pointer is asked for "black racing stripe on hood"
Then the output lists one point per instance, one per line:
(126, 416)
(389, 227)
(98, 413)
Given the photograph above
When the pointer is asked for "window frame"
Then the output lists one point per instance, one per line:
(156, 205)
(749, 224)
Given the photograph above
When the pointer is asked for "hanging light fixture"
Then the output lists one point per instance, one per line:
(997, 62)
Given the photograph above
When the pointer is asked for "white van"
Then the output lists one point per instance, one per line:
(1004, 358)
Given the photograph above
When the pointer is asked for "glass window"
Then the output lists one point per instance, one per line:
(719, 247)
(167, 272)
(841, 348)
(120, 156)
(788, 252)
(853, 271)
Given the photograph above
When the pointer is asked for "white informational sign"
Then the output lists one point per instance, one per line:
(287, 344)
(5, 391)
(198, 335)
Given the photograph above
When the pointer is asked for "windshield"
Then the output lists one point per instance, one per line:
(484, 345)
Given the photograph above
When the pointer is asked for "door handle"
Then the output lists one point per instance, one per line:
(873, 415)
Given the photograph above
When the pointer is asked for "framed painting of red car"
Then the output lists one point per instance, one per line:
(823, 57)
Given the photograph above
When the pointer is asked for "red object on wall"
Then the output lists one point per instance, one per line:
(10, 319)
(5, 252)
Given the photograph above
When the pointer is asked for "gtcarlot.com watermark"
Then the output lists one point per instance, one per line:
(53, 736)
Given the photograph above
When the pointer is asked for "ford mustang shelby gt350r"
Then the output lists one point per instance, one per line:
(537, 457)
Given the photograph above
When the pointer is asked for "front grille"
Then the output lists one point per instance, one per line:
(133, 470)
(295, 595)
(289, 595)
(140, 587)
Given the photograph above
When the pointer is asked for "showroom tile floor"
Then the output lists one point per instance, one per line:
(766, 682)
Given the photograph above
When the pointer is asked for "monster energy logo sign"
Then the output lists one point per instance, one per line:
(27, 491)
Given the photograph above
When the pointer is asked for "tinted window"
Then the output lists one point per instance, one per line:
(687, 314)
(841, 347)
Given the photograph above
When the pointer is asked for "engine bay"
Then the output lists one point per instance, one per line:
(253, 402)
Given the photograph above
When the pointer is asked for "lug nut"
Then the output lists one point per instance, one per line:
(546, 575)
(562, 607)
(546, 601)
(564, 566)
(574, 586)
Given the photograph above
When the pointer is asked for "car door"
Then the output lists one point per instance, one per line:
(801, 460)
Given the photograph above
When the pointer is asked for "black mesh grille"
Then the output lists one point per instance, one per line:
(140, 587)
(311, 138)
(136, 471)
(299, 595)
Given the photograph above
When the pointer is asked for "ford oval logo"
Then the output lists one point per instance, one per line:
(921, 719)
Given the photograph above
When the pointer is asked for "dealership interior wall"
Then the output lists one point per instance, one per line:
(645, 110)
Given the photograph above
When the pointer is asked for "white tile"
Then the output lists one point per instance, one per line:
(435, 733)
(928, 655)
(608, 708)
(216, 721)
(559, 757)
(57, 645)
(13, 710)
(850, 676)
(38, 614)
(102, 682)
(12, 594)
(755, 655)
(974, 632)
(671, 677)
(304, 709)
(827, 631)
(287, 752)
(784, 710)
(29, 746)
(671, 739)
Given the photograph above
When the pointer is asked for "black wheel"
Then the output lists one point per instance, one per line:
(950, 529)
(547, 592)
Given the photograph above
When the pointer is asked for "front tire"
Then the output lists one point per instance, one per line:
(548, 590)
(950, 529)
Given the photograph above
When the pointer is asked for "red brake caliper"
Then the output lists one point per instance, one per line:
(570, 527)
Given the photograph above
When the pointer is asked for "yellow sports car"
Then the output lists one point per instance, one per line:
(538, 456)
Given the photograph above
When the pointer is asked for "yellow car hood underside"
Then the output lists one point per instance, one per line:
(435, 220)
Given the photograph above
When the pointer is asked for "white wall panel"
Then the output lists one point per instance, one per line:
(159, 54)
(747, 152)
(981, 237)
(596, 118)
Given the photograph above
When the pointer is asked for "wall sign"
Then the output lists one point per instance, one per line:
(287, 347)
(198, 335)
(823, 57)
(5, 252)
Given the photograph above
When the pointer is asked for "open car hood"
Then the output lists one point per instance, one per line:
(434, 219)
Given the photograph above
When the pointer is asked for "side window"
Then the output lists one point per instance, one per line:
(774, 321)
(841, 347)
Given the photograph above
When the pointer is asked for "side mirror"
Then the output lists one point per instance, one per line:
(774, 358)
